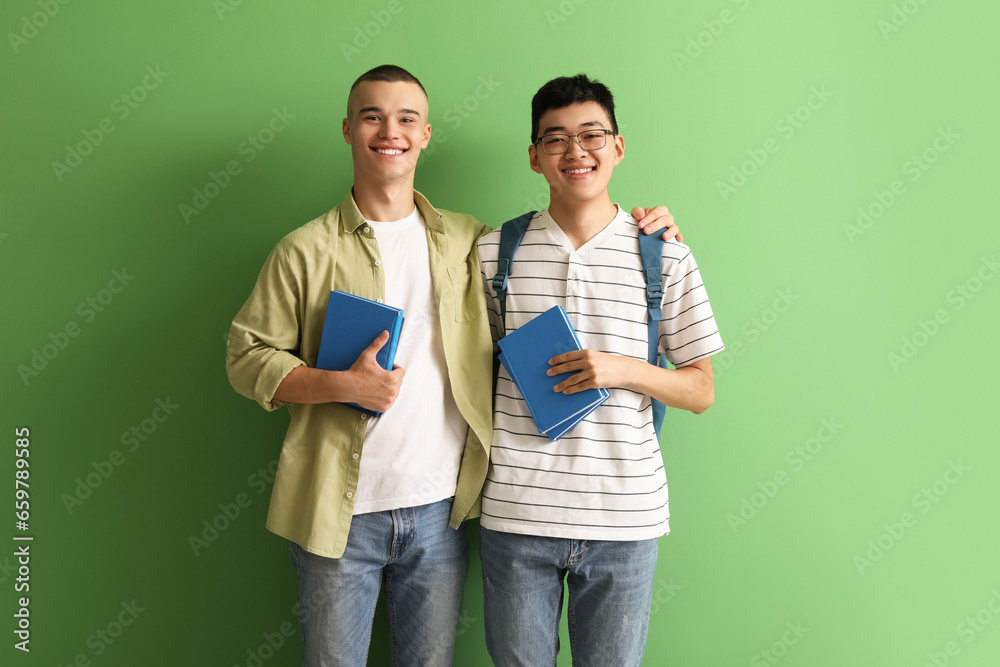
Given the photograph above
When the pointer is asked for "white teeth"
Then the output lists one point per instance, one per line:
(578, 171)
(389, 151)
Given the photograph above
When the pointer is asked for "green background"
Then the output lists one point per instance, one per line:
(865, 344)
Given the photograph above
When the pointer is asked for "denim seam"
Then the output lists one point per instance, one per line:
(571, 618)
(390, 604)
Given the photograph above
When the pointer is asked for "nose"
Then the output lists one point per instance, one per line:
(389, 129)
(575, 149)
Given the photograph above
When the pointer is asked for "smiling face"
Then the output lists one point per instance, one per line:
(577, 176)
(386, 128)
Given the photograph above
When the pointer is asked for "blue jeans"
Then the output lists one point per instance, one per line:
(610, 592)
(423, 563)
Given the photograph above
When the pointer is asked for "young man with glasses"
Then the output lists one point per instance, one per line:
(588, 508)
(372, 501)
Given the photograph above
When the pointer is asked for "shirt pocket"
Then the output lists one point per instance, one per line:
(467, 290)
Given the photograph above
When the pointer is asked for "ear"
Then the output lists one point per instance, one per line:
(347, 131)
(533, 159)
(427, 135)
(619, 148)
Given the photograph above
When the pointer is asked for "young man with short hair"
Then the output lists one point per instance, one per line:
(365, 501)
(589, 507)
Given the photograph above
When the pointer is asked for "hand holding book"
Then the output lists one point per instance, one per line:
(526, 354)
(374, 387)
(592, 370)
(347, 345)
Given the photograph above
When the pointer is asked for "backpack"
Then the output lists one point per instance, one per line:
(651, 252)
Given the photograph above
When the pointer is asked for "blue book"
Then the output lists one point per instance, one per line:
(352, 323)
(525, 353)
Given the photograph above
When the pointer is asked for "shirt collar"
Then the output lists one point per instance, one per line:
(352, 218)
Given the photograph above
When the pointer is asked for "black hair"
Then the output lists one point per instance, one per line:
(567, 90)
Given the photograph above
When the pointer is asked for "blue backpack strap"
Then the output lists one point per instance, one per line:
(651, 251)
(511, 233)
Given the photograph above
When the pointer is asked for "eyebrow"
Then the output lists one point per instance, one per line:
(560, 128)
(411, 112)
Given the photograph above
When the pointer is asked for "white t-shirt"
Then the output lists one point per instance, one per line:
(604, 479)
(412, 453)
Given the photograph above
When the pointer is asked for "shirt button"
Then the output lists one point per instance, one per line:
(378, 262)
(350, 494)
(378, 300)
(364, 417)
(354, 456)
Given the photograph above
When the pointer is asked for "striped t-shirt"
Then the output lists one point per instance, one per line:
(604, 479)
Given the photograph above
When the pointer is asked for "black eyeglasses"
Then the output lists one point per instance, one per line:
(590, 140)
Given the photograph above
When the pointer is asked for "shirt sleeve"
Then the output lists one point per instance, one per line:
(688, 331)
(488, 250)
(263, 342)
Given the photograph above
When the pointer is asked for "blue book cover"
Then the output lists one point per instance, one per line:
(352, 323)
(525, 353)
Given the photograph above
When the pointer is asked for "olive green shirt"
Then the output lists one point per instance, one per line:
(279, 329)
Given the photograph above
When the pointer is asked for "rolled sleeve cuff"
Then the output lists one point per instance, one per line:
(271, 375)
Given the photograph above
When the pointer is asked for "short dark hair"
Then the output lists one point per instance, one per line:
(567, 90)
(388, 73)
